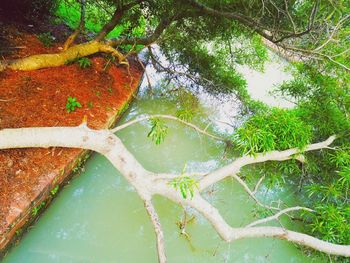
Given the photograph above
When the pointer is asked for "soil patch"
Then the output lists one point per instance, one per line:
(38, 98)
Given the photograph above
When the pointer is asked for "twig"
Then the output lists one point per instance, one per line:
(277, 215)
(169, 117)
(157, 229)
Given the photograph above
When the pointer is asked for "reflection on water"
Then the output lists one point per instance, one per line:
(261, 84)
(99, 218)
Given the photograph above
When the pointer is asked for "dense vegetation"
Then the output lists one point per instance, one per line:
(205, 41)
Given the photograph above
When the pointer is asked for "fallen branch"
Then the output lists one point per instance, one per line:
(237, 164)
(277, 215)
(250, 193)
(146, 183)
(169, 117)
(158, 230)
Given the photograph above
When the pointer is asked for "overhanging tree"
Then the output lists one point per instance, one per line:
(203, 42)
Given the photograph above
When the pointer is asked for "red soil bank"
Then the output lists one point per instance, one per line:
(38, 98)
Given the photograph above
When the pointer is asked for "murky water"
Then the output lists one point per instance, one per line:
(99, 218)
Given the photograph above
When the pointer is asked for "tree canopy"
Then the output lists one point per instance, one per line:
(204, 41)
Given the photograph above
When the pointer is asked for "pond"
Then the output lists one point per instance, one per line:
(98, 217)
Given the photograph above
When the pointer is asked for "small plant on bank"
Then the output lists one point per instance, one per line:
(84, 62)
(54, 190)
(46, 39)
(36, 209)
(72, 103)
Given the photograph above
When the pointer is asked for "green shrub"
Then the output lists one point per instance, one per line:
(72, 103)
(278, 129)
(84, 62)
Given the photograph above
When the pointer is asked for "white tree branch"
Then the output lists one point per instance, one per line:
(256, 187)
(230, 234)
(158, 230)
(146, 183)
(237, 164)
(277, 215)
(169, 117)
(250, 193)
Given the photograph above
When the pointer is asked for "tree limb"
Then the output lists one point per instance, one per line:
(147, 40)
(230, 234)
(146, 183)
(117, 16)
(277, 215)
(80, 27)
(158, 230)
(169, 117)
(237, 164)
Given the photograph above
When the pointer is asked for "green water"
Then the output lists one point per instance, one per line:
(99, 218)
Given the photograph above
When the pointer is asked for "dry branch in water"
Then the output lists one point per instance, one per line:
(147, 183)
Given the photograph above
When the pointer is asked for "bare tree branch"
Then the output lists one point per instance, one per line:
(247, 21)
(251, 194)
(147, 40)
(336, 28)
(117, 16)
(256, 187)
(169, 117)
(277, 215)
(158, 230)
(80, 27)
(146, 183)
(237, 164)
(230, 234)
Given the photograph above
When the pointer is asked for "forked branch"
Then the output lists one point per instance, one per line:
(147, 185)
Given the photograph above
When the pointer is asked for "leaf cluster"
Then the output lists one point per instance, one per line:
(84, 62)
(72, 104)
(185, 184)
(277, 129)
(158, 131)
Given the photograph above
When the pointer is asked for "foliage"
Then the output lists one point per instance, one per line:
(332, 223)
(209, 50)
(46, 39)
(158, 131)
(123, 108)
(36, 209)
(72, 103)
(188, 104)
(98, 14)
(185, 184)
(276, 129)
(54, 190)
(185, 114)
(322, 94)
(84, 62)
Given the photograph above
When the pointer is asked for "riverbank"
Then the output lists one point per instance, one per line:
(30, 178)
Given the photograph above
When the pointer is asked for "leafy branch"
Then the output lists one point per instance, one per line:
(158, 131)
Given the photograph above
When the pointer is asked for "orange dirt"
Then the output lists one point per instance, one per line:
(38, 98)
